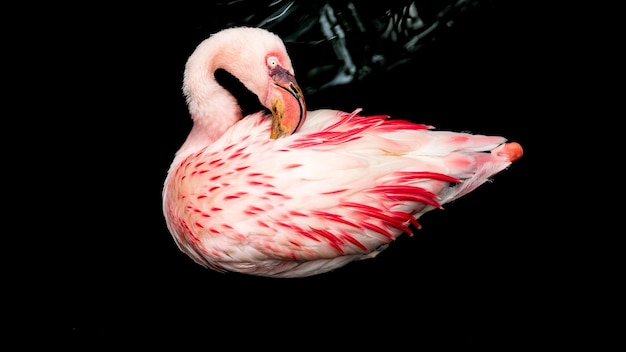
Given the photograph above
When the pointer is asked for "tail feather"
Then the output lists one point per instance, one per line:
(486, 165)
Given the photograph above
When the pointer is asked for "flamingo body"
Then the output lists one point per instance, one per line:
(337, 188)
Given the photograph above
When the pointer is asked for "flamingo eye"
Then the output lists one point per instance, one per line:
(272, 62)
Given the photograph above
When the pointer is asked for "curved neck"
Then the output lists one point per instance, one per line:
(241, 51)
(213, 109)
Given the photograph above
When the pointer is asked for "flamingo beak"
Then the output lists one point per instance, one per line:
(286, 103)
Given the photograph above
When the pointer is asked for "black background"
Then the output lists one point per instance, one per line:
(483, 272)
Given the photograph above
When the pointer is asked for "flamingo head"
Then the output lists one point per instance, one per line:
(260, 61)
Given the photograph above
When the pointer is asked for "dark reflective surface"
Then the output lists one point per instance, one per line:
(346, 41)
(339, 42)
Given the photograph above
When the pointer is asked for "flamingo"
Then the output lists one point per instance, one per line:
(292, 193)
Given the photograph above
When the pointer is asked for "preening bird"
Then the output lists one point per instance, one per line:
(292, 193)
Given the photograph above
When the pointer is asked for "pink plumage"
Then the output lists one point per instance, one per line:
(327, 188)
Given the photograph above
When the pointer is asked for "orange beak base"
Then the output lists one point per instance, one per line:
(287, 104)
